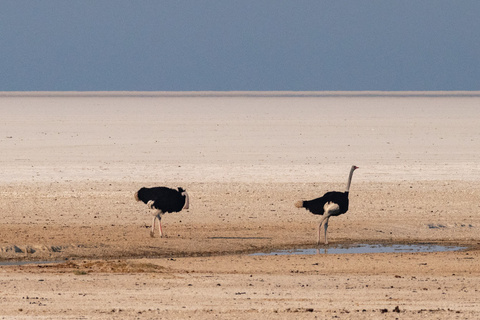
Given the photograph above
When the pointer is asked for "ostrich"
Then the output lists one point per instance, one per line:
(333, 203)
(162, 200)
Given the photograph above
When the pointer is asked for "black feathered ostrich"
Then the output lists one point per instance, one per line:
(162, 200)
(333, 203)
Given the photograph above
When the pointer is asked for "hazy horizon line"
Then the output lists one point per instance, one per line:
(286, 93)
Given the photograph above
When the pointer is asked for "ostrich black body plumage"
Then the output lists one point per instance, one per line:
(332, 203)
(163, 200)
(317, 206)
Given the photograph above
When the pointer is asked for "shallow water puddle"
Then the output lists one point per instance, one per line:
(24, 263)
(240, 238)
(364, 248)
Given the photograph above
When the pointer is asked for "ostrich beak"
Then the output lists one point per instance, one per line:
(136, 196)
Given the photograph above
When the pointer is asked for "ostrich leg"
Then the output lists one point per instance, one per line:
(326, 226)
(152, 230)
(160, 225)
(320, 227)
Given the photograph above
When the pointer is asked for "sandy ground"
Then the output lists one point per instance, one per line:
(71, 163)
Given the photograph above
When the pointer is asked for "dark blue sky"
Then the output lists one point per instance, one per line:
(239, 45)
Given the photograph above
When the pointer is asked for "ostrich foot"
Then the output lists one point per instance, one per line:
(152, 234)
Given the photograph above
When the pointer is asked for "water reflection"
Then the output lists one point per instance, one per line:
(24, 263)
(364, 248)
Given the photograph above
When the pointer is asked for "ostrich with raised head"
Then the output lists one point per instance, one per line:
(162, 200)
(333, 203)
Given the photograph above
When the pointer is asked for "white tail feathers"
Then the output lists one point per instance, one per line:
(299, 204)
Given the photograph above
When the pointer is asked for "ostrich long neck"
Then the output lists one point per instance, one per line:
(350, 179)
(187, 202)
